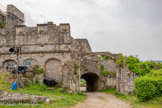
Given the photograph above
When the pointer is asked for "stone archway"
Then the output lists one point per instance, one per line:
(52, 68)
(92, 81)
(8, 63)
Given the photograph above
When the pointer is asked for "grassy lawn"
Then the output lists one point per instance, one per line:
(135, 103)
(62, 99)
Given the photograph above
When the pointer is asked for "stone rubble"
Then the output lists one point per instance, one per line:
(16, 97)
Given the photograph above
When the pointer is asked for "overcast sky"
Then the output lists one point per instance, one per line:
(131, 27)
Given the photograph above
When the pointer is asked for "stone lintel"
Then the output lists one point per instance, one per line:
(20, 25)
(38, 52)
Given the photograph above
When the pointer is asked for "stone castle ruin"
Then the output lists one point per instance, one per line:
(64, 59)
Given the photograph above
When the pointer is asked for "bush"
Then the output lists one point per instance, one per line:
(141, 68)
(133, 64)
(155, 73)
(132, 60)
(149, 86)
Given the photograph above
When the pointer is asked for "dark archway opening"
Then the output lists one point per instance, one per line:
(92, 82)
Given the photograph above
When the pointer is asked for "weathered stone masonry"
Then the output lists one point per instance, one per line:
(64, 58)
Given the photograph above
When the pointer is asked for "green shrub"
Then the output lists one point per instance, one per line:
(141, 68)
(133, 64)
(132, 60)
(145, 89)
(119, 62)
(105, 73)
(149, 86)
(155, 73)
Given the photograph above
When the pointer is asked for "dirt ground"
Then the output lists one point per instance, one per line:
(102, 100)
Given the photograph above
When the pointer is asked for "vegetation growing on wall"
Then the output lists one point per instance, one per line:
(2, 24)
(149, 86)
(105, 73)
(104, 57)
(120, 61)
(101, 67)
(38, 69)
(77, 65)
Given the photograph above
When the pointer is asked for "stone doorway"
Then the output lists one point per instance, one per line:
(92, 82)
(52, 68)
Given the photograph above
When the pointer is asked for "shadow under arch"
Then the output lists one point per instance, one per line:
(92, 81)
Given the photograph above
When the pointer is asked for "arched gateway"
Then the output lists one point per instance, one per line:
(92, 81)
(90, 69)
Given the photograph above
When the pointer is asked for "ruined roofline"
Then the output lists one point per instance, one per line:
(14, 7)
(44, 24)
(51, 23)
(84, 40)
(15, 11)
(15, 16)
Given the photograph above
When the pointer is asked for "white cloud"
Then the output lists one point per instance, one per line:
(127, 26)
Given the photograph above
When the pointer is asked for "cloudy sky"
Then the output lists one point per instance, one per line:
(131, 27)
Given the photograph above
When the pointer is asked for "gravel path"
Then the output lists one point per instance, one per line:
(102, 100)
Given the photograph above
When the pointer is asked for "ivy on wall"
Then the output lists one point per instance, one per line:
(120, 61)
(105, 73)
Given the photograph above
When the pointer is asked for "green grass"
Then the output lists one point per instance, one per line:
(62, 99)
(134, 102)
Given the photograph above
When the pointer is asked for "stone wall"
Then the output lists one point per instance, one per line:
(14, 16)
(109, 65)
(90, 66)
(12, 20)
(42, 35)
(46, 45)
(45, 60)
(108, 82)
(125, 80)
(12, 9)
(52, 47)
(111, 81)
(71, 76)
(81, 45)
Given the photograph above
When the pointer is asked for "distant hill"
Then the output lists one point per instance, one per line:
(159, 61)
